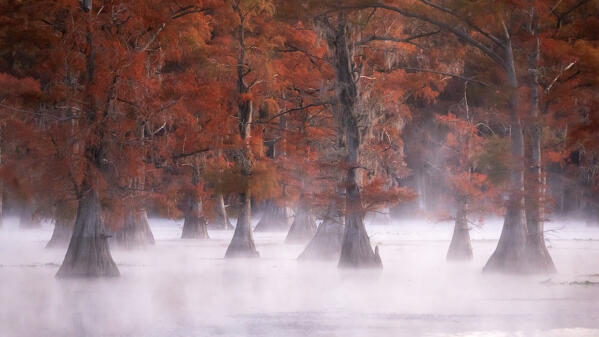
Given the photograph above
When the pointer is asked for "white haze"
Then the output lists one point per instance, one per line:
(185, 288)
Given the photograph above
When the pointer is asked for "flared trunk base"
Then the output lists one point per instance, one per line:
(302, 229)
(356, 251)
(136, 232)
(88, 254)
(326, 243)
(194, 227)
(60, 236)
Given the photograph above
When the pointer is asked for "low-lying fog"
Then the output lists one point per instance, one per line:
(185, 288)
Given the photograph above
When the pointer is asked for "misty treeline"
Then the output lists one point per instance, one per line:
(301, 111)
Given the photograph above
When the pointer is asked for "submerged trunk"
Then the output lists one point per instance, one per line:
(222, 220)
(194, 226)
(274, 219)
(460, 247)
(509, 254)
(88, 254)
(64, 221)
(356, 250)
(136, 231)
(326, 243)
(303, 227)
(537, 255)
(242, 244)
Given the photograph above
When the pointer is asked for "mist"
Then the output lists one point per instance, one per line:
(186, 288)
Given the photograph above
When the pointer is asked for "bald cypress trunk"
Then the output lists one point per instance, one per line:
(538, 258)
(194, 226)
(222, 220)
(303, 227)
(460, 247)
(64, 221)
(136, 232)
(88, 254)
(242, 243)
(356, 251)
(510, 252)
(274, 218)
(326, 243)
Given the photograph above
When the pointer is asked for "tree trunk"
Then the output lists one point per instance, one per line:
(88, 254)
(242, 244)
(136, 232)
(326, 243)
(303, 227)
(274, 219)
(356, 251)
(460, 247)
(27, 217)
(538, 258)
(222, 220)
(194, 226)
(64, 221)
(509, 254)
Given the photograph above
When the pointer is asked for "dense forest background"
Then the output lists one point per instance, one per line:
(211, 110)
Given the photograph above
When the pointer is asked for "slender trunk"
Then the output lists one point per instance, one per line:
(509, 254)
(326, 243)
(538, 258)
(64, 221)
(460, 247)
(222, 220)
(274, 218)
(88, 254)
(242, 243)
(303, 227)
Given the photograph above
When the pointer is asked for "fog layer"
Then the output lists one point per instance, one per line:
(186, 288)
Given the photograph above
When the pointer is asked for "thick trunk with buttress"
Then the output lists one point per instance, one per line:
(326, 243)
(356, 250)
(538, 258)
(136, 232)
(509, 255)
(274, 218)
(88, 254)
(303, 227)
(242, 243)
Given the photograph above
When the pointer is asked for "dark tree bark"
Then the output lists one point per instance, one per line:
(356, 251)
(460, 247)
(194, 226)
(510, 252)
(326, 243)
(64, 221)
(303, 227)
(242, 243)
(537, 255)
(88, 254)
(136, 232)
(274, 218)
